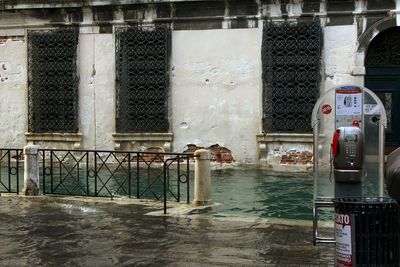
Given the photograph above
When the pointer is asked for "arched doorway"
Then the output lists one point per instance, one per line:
(382, 64)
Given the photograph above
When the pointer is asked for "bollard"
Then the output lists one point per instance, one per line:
(202, 178)
(31, 171)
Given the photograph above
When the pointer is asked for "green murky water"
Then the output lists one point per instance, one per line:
(242, 192)
(262, 193)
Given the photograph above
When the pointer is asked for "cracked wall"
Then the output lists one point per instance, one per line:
(216, 90)
(13, 91)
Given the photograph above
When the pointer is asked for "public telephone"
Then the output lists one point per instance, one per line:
(348, 154)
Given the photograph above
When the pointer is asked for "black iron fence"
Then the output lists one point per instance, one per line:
(141, 175)
(11, 170)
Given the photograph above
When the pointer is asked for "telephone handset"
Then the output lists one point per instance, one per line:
(335, 143)
(348, 154)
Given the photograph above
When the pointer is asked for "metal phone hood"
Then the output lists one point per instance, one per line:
(393, 174)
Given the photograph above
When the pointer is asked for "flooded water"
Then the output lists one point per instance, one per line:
(262, 193)
(242, 192)
(246, 192)
(53, 231)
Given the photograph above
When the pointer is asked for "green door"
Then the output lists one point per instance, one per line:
(383, 78)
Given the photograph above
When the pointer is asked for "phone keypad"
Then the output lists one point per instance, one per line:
(351, 149)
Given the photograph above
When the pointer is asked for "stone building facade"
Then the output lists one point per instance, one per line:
(241, 76)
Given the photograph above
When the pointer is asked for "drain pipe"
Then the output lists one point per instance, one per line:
(202, 178)
(31, 170)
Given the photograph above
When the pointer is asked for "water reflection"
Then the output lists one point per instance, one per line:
(261, 193)
(60, 232)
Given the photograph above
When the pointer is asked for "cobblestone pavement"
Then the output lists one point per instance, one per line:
(51, 231)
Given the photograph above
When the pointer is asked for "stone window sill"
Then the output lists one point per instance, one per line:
(285, 137)
(164, 138)
(74, 138)
(120, 137)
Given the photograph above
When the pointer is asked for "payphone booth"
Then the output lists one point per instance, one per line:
(349, 129)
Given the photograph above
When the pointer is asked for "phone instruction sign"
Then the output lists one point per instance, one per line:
(349, 101)
(343, 237)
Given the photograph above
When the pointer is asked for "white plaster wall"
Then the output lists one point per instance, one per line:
(105, 91)
(13, 91)
(86, 90)
(216, 90)
(339, 52)
(97, 90)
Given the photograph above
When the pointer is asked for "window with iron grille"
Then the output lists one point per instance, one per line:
(142, 79)
(291, 75)
(53, 81)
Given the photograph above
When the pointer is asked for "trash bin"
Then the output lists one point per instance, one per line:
(367, 232)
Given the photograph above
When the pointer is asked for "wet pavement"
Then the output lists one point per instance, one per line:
(53, 231)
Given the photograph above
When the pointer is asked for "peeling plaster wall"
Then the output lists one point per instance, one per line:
(216, 90)
(340, 46)
(86, 89)
(13, 92)
(97, 90)
(105, 91)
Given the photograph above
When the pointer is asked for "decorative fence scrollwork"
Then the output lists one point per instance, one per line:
(53, 80)
(141, 175)
(142, 78)
(11, 170)
(291, 75)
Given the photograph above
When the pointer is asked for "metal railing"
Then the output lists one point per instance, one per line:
(11, 170)
(140, 175)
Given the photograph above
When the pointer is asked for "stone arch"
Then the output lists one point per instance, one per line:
(365, 39)
(382, 76)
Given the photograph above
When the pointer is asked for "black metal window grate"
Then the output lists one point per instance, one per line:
(291, 55)
(142, 78)
(53, 80)
(384, 49)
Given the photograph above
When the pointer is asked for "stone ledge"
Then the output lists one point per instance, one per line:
(54, 137)
(285, 137)
(69, 138)
(358, 71)
(162, 140)
(127, 137)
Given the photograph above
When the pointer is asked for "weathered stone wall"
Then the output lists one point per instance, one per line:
(340, 44)
(216, 90)
(13, 91)
(97, 90)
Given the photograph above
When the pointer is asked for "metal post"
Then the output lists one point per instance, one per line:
(44, 171)
(315, 173)
(31, 171)
(315, 158)
(381, 158)
(202, 187)
(165, 188)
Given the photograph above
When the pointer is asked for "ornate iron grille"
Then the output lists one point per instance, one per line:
(142, 64)
(53, 80)
(384, 49)
(291, 75)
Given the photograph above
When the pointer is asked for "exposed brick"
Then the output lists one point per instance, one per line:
(297, 157)
(218, 153)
